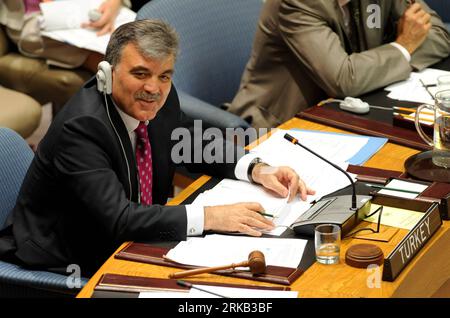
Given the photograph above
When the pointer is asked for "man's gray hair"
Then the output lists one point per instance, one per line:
(152, 38)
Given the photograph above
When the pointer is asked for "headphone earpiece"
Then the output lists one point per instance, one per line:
(104, 77)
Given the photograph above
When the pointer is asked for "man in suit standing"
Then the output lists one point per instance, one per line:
(307, 50)
(102, 173)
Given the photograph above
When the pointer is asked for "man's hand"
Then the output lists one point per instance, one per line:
(240, 217)
(413, 28)
(109, 10)
(280, 180)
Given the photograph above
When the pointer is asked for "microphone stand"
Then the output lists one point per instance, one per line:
(295, 142)
(331, 210)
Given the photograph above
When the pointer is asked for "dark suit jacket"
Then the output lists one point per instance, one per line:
(301, 55)
(74, 204)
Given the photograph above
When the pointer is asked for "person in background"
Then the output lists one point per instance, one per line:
(103, 171)
(109, 10)
(21, 18)
(308, 50)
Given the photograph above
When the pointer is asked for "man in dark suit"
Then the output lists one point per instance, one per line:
(103, 172)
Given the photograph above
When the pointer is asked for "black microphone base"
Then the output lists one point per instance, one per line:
(333, 210)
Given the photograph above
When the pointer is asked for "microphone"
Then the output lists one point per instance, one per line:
(333, 210)
(189, 285)
(295, 142)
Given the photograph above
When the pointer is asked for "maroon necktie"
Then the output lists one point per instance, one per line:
(144, 163)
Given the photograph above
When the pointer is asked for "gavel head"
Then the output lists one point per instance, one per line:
(256, 262)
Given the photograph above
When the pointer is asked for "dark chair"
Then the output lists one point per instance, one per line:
(442, 7)
(15, 281)
(215, 44)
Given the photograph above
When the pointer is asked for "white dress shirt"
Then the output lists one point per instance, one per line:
(195, 214)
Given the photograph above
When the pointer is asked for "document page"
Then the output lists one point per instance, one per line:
(403, 189)
(62, 22)
(413, 90)
(316, 173)
(234, 191)
(400, 218)
(208, 291)
(218, 250)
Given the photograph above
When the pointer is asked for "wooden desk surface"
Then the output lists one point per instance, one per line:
(426, 273)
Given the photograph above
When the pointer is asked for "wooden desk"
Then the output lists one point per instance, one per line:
(426, 273)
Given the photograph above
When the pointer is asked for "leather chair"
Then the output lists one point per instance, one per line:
(19, 112)
(15, 281)
(35, 78)
(215, 44)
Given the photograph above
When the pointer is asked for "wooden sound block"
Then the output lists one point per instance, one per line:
(363, 255)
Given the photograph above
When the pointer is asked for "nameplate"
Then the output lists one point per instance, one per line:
(411, 244)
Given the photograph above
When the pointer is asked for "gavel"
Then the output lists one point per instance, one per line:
(256, 262)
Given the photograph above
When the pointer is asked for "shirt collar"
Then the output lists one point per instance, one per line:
(131, 123)
(343, 3)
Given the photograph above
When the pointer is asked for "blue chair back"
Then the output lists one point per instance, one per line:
(216, 37)
(15, 281)
(442, 7)
(15, 158)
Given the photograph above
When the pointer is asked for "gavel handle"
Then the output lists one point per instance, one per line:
(206, 270)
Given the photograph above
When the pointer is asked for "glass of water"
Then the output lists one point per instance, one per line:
(327, 240)
(443, 82)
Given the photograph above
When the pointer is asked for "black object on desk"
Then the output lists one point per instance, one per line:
(421, 166)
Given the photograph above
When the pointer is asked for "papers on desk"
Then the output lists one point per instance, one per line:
(316, 173)
(229, 292)
(336, 147)
(218, 250)
(412, 89)
(399, 218)
(405, 189)
(62, 21)
(235, 191)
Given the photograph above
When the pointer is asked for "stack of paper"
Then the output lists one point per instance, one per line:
(228, 292)
(413, 90)
(63, 19)
(234, 191)
(218, 250)
(316, 173)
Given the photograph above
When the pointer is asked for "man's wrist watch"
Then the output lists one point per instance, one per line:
(251, 166)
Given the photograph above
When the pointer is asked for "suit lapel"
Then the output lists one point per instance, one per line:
(126, 142)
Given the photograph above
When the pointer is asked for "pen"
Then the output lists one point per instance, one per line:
(266, 214)
(412, 110)
(392, 189)
(410, 117)
(426, 87)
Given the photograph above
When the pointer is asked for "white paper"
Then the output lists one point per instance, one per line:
(316, 173)
(403, 185)
(62, 21)
(228, 292)
(218, 250)
(234, 191)
(412, 89)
